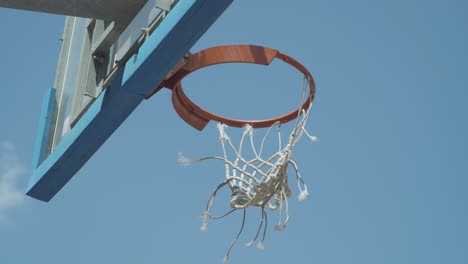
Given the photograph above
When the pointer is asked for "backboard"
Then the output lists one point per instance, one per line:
(113, 54)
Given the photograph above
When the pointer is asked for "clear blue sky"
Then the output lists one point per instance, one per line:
(387, 180)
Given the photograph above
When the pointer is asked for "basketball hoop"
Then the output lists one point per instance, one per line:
(260, 181)
(198, 117)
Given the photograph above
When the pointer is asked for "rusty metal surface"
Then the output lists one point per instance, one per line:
(186, 113)
(198, 117)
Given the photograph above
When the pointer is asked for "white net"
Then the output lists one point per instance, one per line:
(259, 181)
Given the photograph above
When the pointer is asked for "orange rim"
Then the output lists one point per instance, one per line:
(196, 116)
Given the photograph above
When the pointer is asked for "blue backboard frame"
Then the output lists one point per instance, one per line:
(176, 34)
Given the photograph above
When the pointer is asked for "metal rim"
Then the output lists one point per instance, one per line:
(196, 116)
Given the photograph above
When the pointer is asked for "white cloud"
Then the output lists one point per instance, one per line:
(11, 172)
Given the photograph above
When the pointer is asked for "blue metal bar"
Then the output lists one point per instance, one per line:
(45, 124)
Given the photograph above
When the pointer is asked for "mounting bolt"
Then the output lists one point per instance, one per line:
(99, 58)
